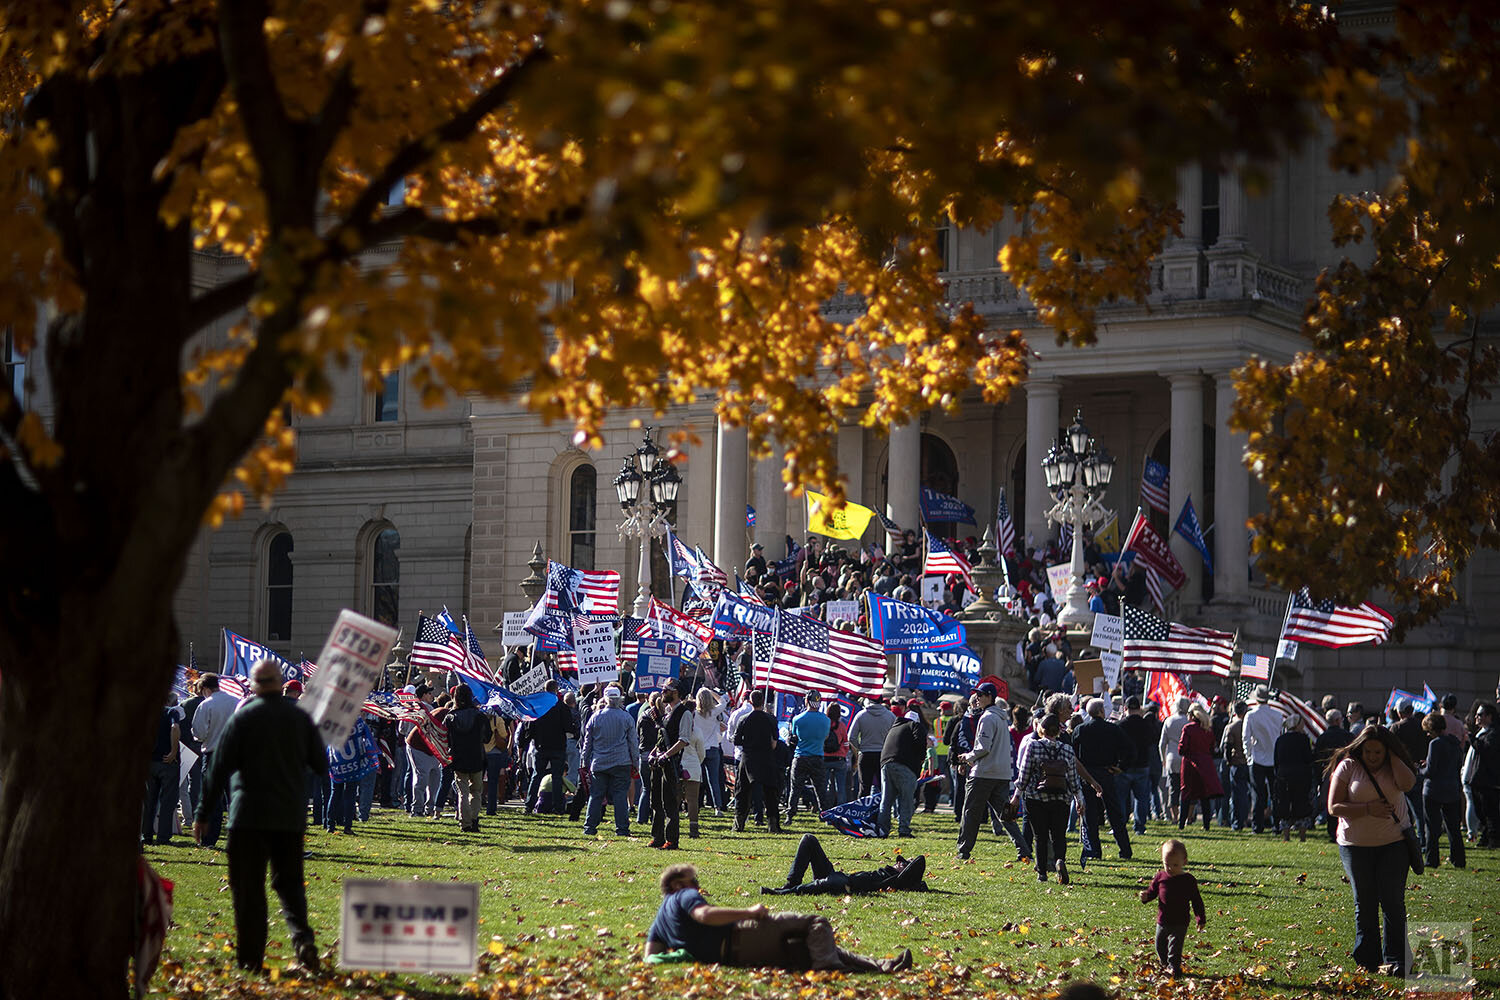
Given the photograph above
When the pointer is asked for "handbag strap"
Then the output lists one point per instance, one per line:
(1404, 824)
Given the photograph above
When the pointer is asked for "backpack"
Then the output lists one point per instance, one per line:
(1054, 776)
(831, 742)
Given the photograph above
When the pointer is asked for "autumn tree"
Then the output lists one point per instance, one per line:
(1378, 479)
(699, 176)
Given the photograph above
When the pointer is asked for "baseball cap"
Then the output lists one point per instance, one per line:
(292, 686)
(757, 545)
(915, 703)
(988, 689)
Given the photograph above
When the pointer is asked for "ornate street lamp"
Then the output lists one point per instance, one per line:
(1078, 477)
(647, 486)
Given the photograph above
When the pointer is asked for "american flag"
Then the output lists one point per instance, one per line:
(1154, 488)
(592, 591)
(632, 629)
(475, 665)
(1290, 704)
(810, 656)
(1156, 588)
(1005, 528)
(1254, 667)
(709, 578)
(941, 559)
(893, 530)
(234, 685)
(435, 648)
(1328, 624)
(410, 708)
(1152, 643)
(308, 668)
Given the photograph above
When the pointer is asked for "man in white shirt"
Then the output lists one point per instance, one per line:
(208, 726)
(1262, 728)
(1171, 762)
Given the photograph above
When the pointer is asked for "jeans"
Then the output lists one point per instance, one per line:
(984, 797)
(191, 785)
(1417, 813)
(1099, 807)
(1169, 938)
(1226, 806)
(610, 784)
(1439, 815)
(1378, 878)
(1260, 796)
(339, 809)
(555, 762)
(836, 791)
(426, 778)
(318, 789)
(366, 796)
(400, 786)
(1136, 784)
(713, 766)
(496, 763)
(572, 760)
(213, 819)
(1237, 795)
(643, 798)
(806, 771)
(161, 800)
(898, 789)
(249, 851)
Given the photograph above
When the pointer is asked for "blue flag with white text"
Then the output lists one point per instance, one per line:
(1188, 527)
(900, 626)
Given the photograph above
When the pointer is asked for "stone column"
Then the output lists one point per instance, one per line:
(1041, 430)
(1187, 474)
(904, 476)
(1181, 268)
(1190, 201)
(731, 492)
(1232, 212)
(1231, 544)
(770, 506)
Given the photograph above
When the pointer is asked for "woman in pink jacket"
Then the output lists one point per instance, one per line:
(1367, 786)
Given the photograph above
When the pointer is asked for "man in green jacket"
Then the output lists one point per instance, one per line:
(263, 757)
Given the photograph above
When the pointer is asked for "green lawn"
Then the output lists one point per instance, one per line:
(565, 915)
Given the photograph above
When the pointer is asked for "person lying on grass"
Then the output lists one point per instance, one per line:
(687, 928)
(904, 874)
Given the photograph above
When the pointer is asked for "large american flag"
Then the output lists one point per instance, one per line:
(1151, 643)
(475, 665)
(1328, 624)
(893, 532)
(410, 708)
(1154, 488)
(591, 591)
(941, 559)
(435, 648)
(1005, 528)
(810, 656)
(631, 631)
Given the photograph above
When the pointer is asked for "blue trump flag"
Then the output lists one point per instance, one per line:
(735, 616)
(900, 626)
(956, 669)
(1188, 527)
(241, 655)
(941, 507)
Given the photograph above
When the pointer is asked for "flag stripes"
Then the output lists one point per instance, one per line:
(1152, 643)
(1328, 624)
(810, 656)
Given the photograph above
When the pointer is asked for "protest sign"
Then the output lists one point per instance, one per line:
(1109, 633)
(595, 646)
(1085, 673)
(351, 664)
(513, 630)
(1112, 663)
(656, 662)
(1059, 579)
(409, 926)
(531, 681)
(932, 591)
(847, 610)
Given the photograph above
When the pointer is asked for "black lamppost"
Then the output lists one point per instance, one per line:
(1077, 476)
(647, 486)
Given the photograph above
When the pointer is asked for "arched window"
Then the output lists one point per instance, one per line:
(583, 496)
(383, 573)
(279, 587)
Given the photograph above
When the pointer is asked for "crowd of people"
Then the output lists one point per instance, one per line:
(1034, 773)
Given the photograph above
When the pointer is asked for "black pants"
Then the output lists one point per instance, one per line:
(1169, 945)
(249, 851)
(1440, 815)
(496, 772)
(1487, 803)
(1260, 796)
(810, 855)
(1049, 822)
(1099, 807)
(161, 801)
(666, 803)
(869, 773)
(745, 790)
(557, 763)
(213, 820)
(805, 771)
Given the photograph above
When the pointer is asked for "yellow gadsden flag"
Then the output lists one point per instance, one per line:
(1107, 536)
(848, 523)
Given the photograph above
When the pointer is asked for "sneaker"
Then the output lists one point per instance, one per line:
(654, 844)
(901, 962)
(307, 956)
(670, 845)
(963, 855)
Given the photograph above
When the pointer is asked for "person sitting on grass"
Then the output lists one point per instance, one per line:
(687, 928)
(903, 874)
(1175, 890)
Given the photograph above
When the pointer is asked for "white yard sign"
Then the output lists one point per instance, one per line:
(531, 682)
(409, 926)
(349, 667)
(595, 645)
(513, 630)
(1109, 633)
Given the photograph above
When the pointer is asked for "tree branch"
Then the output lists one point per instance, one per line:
(247, 61)
(420, 149)
(416, 222)
(219, 300)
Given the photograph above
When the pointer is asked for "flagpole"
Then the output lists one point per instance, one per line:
(1130, 536)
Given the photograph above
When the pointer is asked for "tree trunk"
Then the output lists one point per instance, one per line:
(72, 772)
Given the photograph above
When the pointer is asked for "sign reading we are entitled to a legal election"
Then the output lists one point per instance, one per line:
(349, 667)
(409, 926)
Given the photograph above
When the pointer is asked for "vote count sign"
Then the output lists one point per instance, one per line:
(410, 926)
(349, 667)
(1109, 633)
